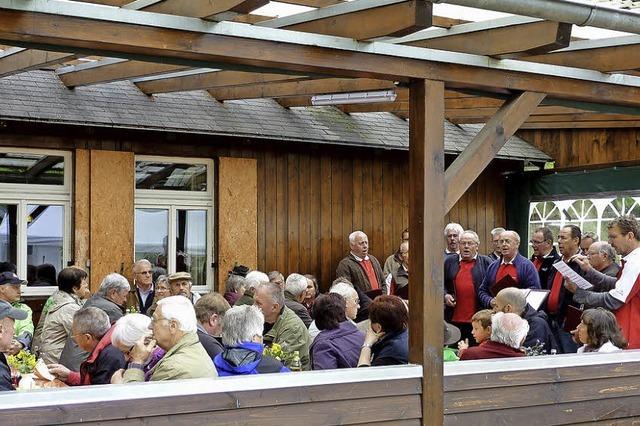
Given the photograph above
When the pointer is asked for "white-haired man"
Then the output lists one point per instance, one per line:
(251, 282)
(295, 289)
(140, 296)
(602, 258)
(512, 270)
(360, 267)
(452, 234)
(174, 327)
(495, 237)
(281, 325)
(242, 338)
(508, 331)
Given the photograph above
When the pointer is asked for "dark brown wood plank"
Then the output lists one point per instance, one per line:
(315, 214)
(263, 194)
(304, 211)
(282, 243)
(347, 197)
(376, 236)
(293, 215)
(328, 269)
(357, 182)
(384, 247)
(271, 201)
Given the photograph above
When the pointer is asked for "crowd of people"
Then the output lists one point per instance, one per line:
(157, 328)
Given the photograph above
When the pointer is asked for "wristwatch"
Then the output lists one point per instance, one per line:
(135, 365)
(366, 345)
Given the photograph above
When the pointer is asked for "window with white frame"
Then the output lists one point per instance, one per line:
(174, 215)
(35, 214)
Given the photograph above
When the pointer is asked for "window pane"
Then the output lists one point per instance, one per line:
(191, 244)
(171, 176)
(8, 233)
(152, 227)
(32, 168)
(45, 228)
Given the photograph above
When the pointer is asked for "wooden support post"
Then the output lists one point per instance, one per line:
(481, 150)
(426, 221)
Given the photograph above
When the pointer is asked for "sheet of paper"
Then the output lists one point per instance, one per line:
(535, 298)
(571, 275)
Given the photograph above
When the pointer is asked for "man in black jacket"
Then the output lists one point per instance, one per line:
(210, 310)
(463, 275)
(544, 254)
(7, 316)
(512, 300)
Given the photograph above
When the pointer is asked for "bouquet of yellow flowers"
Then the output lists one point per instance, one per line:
(289, 359)
(24, 362)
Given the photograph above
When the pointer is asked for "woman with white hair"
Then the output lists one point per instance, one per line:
(127, 331)
(242, 328)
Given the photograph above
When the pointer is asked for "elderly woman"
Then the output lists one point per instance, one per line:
(57, 314)
(599, 332)
(234, 288)
(162, 290)
(339, 342)
(127, 331)
(387, 340)
(242, 337)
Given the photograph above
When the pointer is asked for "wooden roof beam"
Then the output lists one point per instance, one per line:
(297, 88)
(17, 59)
(218, 10)
(508, 37)
(79, 28)
(464, 170)
(111, 69)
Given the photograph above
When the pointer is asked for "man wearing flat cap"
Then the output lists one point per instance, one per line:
(180, 285)
(8, 314)
(10, 292)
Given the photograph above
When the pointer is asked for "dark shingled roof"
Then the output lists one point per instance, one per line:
(40, 96)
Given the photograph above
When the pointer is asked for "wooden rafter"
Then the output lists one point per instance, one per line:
(17, 59)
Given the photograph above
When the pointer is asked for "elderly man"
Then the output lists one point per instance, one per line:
(295, 290)
(508, 331)
(397, 281)
(452, 234)
(360, 267)
(92, 330)
(10, 292)
(8, 315)
(276, 277)
(495, 237)
(587, 239)
(180, 285)
(512, 300)
(111, 297)
(251, 282)
(394, 260)
(512, 270)
(210, 311)
(559, 300)
(140, 297)
(624, 297)
(281, 324)
(174, 327)
(544, 254)
(463, 275)
(602, 257)
(242, 338)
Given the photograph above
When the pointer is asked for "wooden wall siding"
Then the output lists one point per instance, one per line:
(590, 394)
(382, 402)
(586, 147)
(111, 214)
(308, 205)
(237, 215)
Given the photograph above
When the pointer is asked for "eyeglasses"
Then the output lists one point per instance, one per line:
(505, 242)
(144, 273)
(535, 243)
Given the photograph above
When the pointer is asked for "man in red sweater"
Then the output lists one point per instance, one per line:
(508, 331)
(360, 267)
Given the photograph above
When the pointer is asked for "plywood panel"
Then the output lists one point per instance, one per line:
(82, 208)
(111, 214)
(237, 215)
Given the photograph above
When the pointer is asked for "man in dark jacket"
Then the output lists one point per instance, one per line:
(360, 267)
(512, 265)
(242, 338)
(463, 275)
(8, 315)
(544, 254)
(295, 288)
(602, 258)
(512, 300)
(210, 310)
(92, 330)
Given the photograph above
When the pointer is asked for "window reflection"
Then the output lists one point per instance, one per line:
(191, 244)
(171, 176)
(45, 228)
(151, 236)
(8, 233)
(31, 168)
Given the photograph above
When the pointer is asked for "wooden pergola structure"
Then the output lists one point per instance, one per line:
(509, 73)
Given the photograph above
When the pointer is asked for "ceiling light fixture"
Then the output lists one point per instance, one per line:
(354, 98)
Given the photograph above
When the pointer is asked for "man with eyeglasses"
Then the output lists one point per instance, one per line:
(140, 297)
(544, 254)
(512, 267)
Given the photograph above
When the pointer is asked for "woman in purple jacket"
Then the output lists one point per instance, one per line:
(338, 344)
